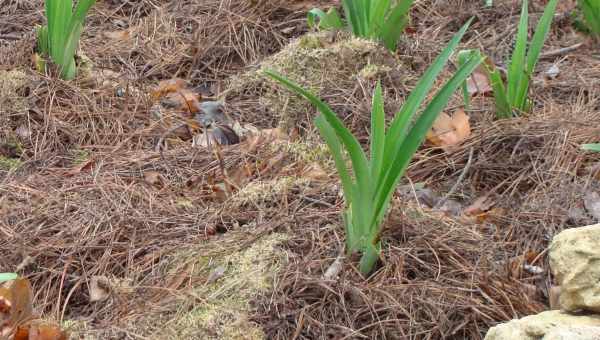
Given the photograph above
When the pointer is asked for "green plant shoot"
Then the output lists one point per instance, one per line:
(60, 38)
(382, 20)
(511, 98)
(591, 147)
(591, 15)
(368, 192)
(8, 277)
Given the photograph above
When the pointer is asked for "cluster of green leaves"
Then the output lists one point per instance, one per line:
(512, 97)
(60, 38)
(382, 20)
(591, 15)
(367, 194)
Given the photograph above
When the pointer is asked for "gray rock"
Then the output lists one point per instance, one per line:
(575, 263)
(574, 333)
(549, 323)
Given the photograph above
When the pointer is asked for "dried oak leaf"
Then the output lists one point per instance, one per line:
(479, 82)
(449, 131)
(168, 86)
(39, 330)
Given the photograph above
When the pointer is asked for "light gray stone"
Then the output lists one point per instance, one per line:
(575, 263)
(536, 327)
(574, 333)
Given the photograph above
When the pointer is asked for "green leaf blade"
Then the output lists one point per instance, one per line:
(377, 132)
(517, 68)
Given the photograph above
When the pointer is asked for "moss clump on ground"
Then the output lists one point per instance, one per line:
(7, 164)
(319, 62)
(219, 306)
(11, 82)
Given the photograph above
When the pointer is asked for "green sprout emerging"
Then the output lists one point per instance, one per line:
(512, 98)
(382, 20)
(591, 15)
(8, 277)
(591, 147)
(368, 193)
(60, 38)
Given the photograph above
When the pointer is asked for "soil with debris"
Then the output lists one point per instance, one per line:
(124, 240)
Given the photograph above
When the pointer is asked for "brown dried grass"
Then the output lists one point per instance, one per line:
(440, 278)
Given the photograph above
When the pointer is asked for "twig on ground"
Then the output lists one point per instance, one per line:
(335, 268)
(560, 51)
(443, 201)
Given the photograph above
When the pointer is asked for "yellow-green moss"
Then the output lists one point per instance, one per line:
(9, 163)
(10, 83)
(80, 156)
(320, 62)
(220, 307)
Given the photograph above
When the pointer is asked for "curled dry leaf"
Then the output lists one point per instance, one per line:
(168, 86)
(17, 321)
(183, 99)
(153, 178)
(315, 172)
(479, 206)
(118, 35)
(479, 82)
(39, 330)
(221, 135)
(82, 167)
(264, 136)
(99, 288)
(449, 131)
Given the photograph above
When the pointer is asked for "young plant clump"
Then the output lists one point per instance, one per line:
(368, 193)
(59, 39)
(512, 97)
(591, 15)
(372, 19)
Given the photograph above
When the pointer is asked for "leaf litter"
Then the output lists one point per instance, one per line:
(136, 230)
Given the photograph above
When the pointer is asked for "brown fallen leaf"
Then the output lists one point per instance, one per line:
(449, 131)
(315, 172)
(153, 178)
(183, 99)
(17, 321)
(118, 35)
(479, 82)
(99, 288)
(221, 134)
(82, 167)
(262, 137)
(479, 206)
(168, 86)
(39, 330)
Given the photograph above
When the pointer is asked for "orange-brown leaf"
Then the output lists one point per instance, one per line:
(21, 308)
(448, 131)
(168, 86)
(40, 331)
(185, 100)
(118, 35)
